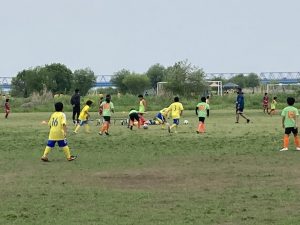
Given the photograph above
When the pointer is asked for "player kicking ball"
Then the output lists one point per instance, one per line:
(58, 133)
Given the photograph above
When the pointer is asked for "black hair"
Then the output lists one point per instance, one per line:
(132, 109)
(176, 99)
(107, 99)
(203, 99)
(140, 96)
(59, 106)
(266, 93)
(89, 102)
(7, 100)
(275, 97)
(290, 101)
(76, 90)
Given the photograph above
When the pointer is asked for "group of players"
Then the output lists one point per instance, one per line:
(58, 129)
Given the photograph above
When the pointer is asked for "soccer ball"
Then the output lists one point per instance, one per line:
(145, 126)
(185, 122)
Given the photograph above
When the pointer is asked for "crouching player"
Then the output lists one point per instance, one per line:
(134, 116)
(107, 108)
(202, 110)
(58, 133)
(161, 116)
(83, 117)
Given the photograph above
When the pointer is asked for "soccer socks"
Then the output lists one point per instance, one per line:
(46, 152)
(66, 150)
(296, 140)
(286, 141)
(104, 127)
(77, 128)
(201, 127)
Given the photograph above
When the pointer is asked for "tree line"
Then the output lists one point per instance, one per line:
(55, 77)
(182, 79)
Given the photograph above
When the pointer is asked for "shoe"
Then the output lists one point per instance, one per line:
(248, 120)
(236, 122)
(72, 158)
(284, 149)
(197, 132)
(106, 133)
(298, 149)
(74, 132)
(100, 133)
(130, 127)
(45, 159)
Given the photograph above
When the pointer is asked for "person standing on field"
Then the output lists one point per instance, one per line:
(202, 111)
(107, 108)
(75, 102)
(290, 116)
(240, 107)
(7, 108)
(142, 108)
(58, 133)
(265, 103)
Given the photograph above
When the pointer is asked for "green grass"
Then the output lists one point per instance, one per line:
(233, 174)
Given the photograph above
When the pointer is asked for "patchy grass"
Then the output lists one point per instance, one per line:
(233, 174)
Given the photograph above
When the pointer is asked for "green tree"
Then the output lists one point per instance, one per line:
(155, 74)
(185, 79)
(136, 83)
(117, 80)
(252, 81)
(84, 80)
(239, 79)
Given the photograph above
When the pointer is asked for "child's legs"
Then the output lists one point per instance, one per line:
(175, 123)
(50, 145)
(64, 145)
(287, 132)
(296, 139)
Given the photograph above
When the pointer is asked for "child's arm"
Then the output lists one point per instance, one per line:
(296, 121)
(283, 118)
(196, 111)
(65, 130)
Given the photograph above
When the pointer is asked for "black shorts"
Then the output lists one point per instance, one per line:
(289, 130)
(106, 118)
(134, 116)
(201, 119)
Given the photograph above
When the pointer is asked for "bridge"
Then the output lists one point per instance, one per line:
(103, 81)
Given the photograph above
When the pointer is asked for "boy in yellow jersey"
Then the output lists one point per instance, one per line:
(202, 110)
(176, 110)
(58, 133)
(107, 108)
(273, 106)
(161, 116)
(83, 117)
(290, 124)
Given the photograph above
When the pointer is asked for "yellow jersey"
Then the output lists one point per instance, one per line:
(57, 122)
(84, 113)
(175, 110)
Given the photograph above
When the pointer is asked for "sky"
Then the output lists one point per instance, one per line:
(110, 35)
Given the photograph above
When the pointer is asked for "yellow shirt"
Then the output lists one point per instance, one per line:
(175, 108)
(57, 122)
(84, 112)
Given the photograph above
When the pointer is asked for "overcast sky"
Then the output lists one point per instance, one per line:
(109, 35)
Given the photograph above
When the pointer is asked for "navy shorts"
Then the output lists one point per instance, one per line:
(176, 121)
(61, 143)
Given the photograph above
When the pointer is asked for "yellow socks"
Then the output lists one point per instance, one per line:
(46, 152)
(67, 151)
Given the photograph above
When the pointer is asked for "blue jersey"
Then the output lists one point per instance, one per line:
(240, 101)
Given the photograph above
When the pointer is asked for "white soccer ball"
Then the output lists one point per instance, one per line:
(185, 122)
(145, 126)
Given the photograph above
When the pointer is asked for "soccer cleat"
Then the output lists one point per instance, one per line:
(298, 149)
(72, 158)
(248, 120)
(131, 127)
(45, 159)
(106, 133)
(284, 149)
(100, 133)
(197, 132)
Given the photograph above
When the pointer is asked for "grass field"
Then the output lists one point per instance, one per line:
(233, 174)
